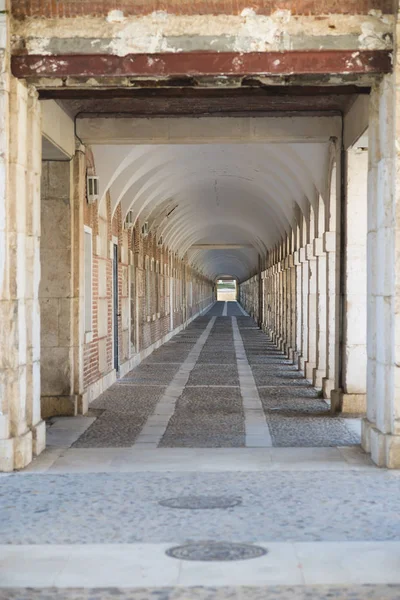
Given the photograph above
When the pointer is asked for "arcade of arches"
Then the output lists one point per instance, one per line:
(297, 202)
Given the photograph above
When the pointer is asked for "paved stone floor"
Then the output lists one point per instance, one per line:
(216, 412)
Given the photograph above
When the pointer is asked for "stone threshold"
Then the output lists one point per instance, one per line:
(146, 565)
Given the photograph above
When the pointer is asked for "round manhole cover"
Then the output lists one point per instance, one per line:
(201, 502)
(216, 551)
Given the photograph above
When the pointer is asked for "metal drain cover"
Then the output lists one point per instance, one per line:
(216, 551)
(201, 502)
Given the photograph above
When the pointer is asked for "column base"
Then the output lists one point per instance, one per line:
(17, 453)
(348, 404)
(38, 438)
(23, 450)
(62, 406)
(318, 378)
(309, 369)
(291, 354)
(328, 385)
(302, 364)
(6, 455)
(384, 447)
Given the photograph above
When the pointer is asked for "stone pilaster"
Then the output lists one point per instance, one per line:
(320, 368)
(381, 428)
(330, 248)
(311, 362)
(299, 306)
(22, 431)
(352, 396)
(292, 306)
(305, 278)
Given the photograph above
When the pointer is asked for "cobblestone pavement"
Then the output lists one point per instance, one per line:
(209, 412)
(320, 592)
(70, 526)
(282, 506)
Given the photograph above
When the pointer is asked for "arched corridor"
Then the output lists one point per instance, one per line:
(199, 315)
(135, 235)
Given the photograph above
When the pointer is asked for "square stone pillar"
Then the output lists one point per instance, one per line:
(299, 306)
(351, 398)
(320, 369)
(62, 287)
(381, 428)
(22, 431)
(292, 307)
(330, 248)
(311, 362)
(305, 279)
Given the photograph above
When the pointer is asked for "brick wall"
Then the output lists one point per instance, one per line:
(76, 8)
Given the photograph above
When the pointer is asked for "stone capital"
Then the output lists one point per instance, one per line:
(310, 251)
(318, 247)
(329, 241)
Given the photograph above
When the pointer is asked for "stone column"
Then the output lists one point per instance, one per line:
(22, 431)
(381, 428)
(268, 284)
(299, 306)
(292, 306)
(305, 278)
(332, 313)
(61, 287)
(311, 362)
(320, 369)
(286, 343)
(352, 397)
(281, 307)
(274, 301)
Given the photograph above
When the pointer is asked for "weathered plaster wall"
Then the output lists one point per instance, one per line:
(117, 33)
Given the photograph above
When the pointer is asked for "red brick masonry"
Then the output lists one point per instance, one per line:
(99, 8)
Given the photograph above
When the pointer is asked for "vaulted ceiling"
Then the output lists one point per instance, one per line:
(222, 204)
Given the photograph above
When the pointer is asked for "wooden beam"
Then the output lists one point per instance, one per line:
(293, 62)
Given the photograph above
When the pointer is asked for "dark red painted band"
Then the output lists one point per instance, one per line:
(312, 62)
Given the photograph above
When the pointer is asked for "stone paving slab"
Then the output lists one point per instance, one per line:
(278, 506)
(284, 592)
(204, 460)
(145, 565)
